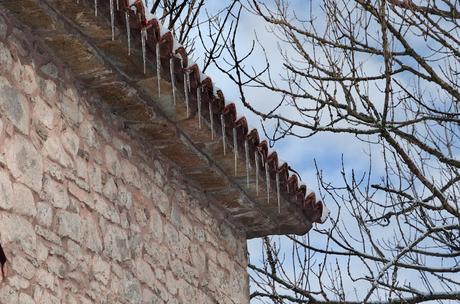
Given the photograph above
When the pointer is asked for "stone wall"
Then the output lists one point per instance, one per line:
(89, 215)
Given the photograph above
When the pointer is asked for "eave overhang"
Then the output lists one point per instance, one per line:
(201, 134)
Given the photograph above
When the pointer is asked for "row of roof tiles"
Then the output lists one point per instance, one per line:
(209, 102)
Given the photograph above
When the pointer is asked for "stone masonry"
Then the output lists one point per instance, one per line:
(89, 215)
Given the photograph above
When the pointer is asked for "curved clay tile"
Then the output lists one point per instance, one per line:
(183, 54)
(124, 5)
(166, 45)
(207, 86)
(263, 149)
(253, 137)
(219, 102)
(230, 114)
(153, 35)
(273, 160)
(242, 126)
(194, 72)
(253, 141)
(293, 184)
(133, 19)
(301, 192)
(140, 12)
(314, 208)
(283, 173)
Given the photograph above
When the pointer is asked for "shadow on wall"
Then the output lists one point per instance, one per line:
(2, 261)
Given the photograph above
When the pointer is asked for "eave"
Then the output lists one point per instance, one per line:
(69, 37)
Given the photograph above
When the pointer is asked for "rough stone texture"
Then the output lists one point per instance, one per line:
(43, 113)
(44, 214)
(6, 191)
(24, 162)
(14, 105)
(23, 202)
(69, 224)
(56, 193)
(90, 215)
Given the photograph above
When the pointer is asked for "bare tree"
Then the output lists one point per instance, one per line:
(189, 20)
(385, 73)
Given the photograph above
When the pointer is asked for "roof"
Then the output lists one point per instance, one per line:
(191, 123)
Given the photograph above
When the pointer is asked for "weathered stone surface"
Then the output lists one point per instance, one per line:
(95, 178)
(91, 236)
(43, 296)
(55, 151)
(143, 272)
(18, 282)
(112, 162)
(46, 280)
(116, 243)
(43, 113)
(171, 237)
(57, 267)
(198, 257)
(70, 141)
(44, 214)
(161, 200)
(42, 251)
(25, 299)
(6, 191)
(149, 297)
(156, 225)
(110, 190)
(16, 229)
(49, 90)
(171, 283)
(81, 195)
(53, 170)
(8, 295)
(81, 168)
(25, 163)
(141, 215)
(3, 28)
(176, 215)
(56, 193)
(23, 267)
(88, 133)
(125, 197)
(130, 173)
(70, 108)
(50, 69)
(2, 130)
(23, 201)
(136, 245)
(26, 77)
(132, 291)
(6, 61)
(106, 210)
(69, 224)
(158, 256)
(14, 105)
(101, 270)
(48, 235)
